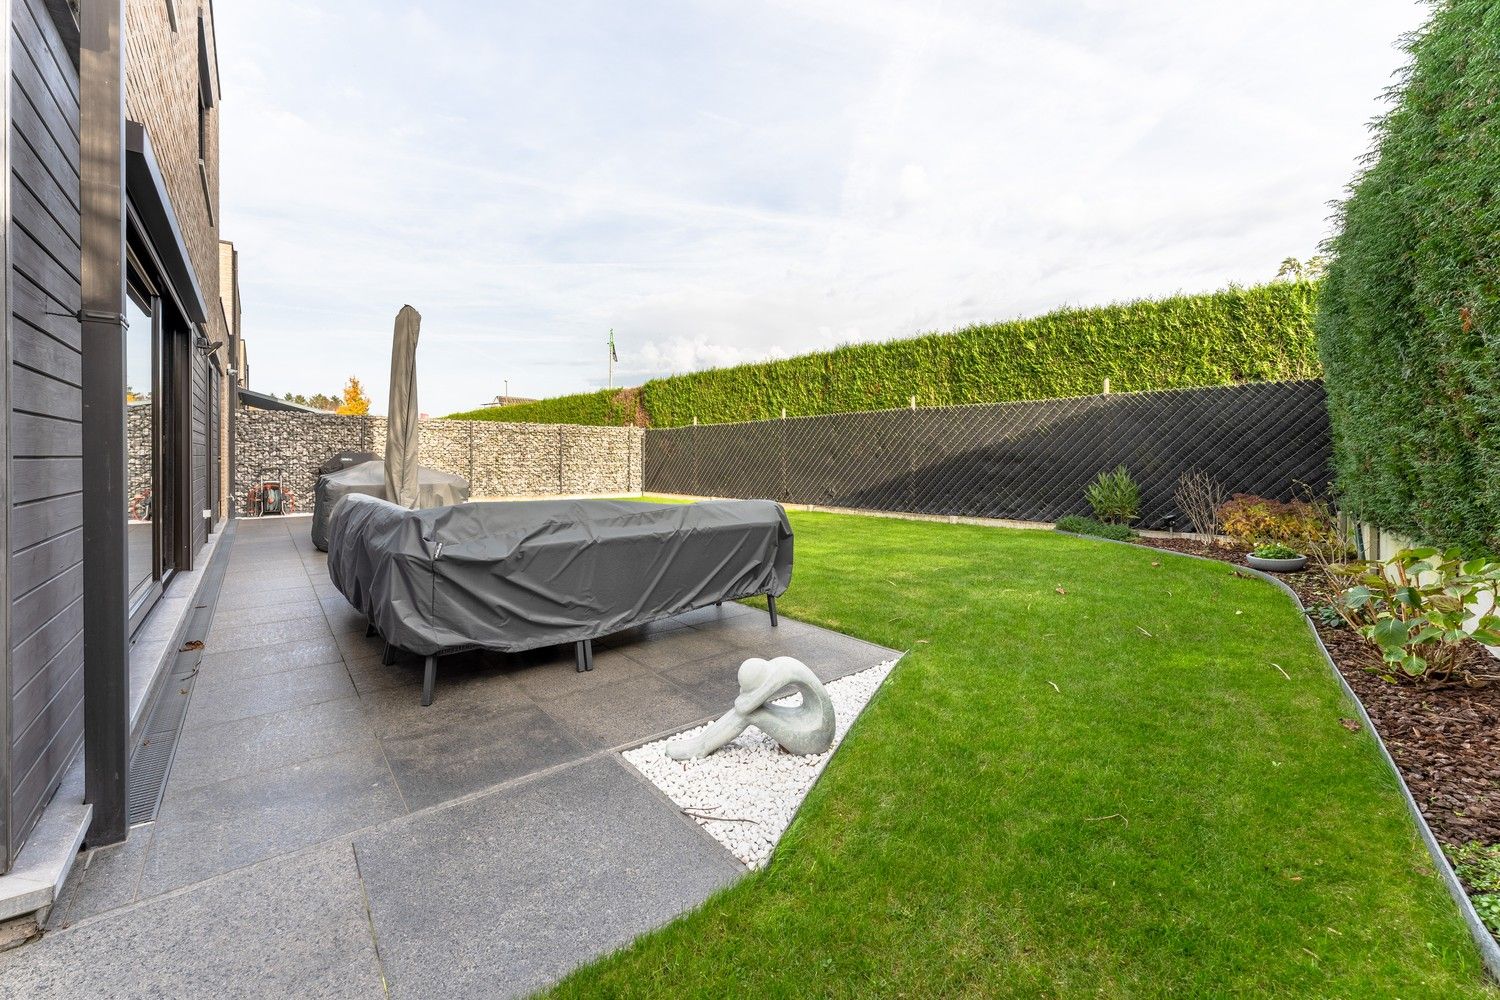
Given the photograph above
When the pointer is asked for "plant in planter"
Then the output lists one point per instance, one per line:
(1419, 609)
(1277, 559)
(1115, 497)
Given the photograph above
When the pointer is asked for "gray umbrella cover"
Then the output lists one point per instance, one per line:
(401, 420)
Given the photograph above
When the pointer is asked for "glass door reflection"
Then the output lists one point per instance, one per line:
(142, 438)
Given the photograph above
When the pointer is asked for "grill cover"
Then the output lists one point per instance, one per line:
(517, 575)
(439, 489)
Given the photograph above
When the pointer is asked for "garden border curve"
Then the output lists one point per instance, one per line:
(1489, 949)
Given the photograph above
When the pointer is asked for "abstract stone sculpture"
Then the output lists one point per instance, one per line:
(801, 729)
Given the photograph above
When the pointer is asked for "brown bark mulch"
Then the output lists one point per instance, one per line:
(1444, 736)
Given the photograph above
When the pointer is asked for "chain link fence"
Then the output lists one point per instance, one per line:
(1024, 461)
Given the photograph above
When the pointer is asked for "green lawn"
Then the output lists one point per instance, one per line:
(1174, 818)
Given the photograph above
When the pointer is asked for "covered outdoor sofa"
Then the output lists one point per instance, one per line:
(365, 473)
(513, 576)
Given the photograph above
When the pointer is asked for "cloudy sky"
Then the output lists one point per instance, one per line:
(727, 181)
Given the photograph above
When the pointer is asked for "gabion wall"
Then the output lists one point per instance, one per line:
(497, 459)
(1025, 461)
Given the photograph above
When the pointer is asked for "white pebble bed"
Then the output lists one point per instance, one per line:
(746, 794)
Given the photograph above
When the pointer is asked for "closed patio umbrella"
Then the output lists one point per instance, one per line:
(401, 417)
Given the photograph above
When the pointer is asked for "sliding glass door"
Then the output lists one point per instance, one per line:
(143, 432)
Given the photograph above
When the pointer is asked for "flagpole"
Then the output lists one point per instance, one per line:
(609, 380)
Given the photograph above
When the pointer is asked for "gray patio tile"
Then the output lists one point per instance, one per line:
(297, 929)
(641, 632)
(712, 681)
(669, 650)
(755, 627)
(216, 828)
(303, 594)
(831, 655)
(235, 664)
(628, 710)
(243, 697)
(369, 674)
(233, 749)
(472, 746)
(711, 614)
(102, 879)
(230, 618)
(355, 644)
(232, 637)
(467, 682)
(502, 895)
(557, 675)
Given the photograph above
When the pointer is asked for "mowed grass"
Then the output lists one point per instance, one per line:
(1087, 778)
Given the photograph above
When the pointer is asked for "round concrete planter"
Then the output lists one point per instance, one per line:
(1277, 565)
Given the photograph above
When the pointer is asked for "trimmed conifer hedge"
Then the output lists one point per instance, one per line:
(1259, 334)
(607, 407)
(1409, 319)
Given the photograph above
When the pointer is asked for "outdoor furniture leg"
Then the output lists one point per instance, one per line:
(429, 676)
(579, 656)
(771, 603)
(370, 632)
(388, 656)
(588, 653)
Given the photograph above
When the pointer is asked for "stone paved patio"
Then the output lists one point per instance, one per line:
(322, 834)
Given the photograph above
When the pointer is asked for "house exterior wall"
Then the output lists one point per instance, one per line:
(41, 534)
(43, 682)
(164, 91)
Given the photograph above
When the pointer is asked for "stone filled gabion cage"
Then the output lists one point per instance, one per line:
(498, 459)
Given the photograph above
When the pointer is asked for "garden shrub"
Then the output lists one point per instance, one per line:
(1408, 324)
(1256, 520)
(1115, 497)
(1088, 526)
(1417, 608)
(607, 407)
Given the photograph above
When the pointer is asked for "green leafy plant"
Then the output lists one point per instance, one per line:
(1276, 552)
(1409, 313)
(1115, 497)
(1327, 616)
(1088, 526)
(1478, 865)
(1418, 608)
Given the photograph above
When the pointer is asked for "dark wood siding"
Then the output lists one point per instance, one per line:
(45, 516)
(199, 450)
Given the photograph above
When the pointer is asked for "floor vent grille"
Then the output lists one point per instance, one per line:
(151, 759)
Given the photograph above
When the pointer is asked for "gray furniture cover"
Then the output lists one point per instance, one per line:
(439, 489)
(510, 576)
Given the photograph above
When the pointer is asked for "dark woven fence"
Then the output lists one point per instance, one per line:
(1027, 461)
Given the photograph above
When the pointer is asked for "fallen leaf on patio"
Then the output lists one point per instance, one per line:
(1239, 612)
(1060, 590)
(191, 645)
(1352, 725)
(1156, 562)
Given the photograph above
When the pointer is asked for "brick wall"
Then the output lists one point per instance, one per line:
(161, 92)
(498, 459)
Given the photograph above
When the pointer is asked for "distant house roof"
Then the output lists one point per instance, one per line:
(263, 401)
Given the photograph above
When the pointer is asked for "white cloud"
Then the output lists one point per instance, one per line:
(727, 182)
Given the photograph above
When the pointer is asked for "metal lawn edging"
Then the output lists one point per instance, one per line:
(1489, 948)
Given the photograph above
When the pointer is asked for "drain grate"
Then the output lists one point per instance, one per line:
(151, 760)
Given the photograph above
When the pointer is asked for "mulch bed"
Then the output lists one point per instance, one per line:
(1445, 736)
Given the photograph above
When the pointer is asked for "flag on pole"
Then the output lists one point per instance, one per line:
(612, 355)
